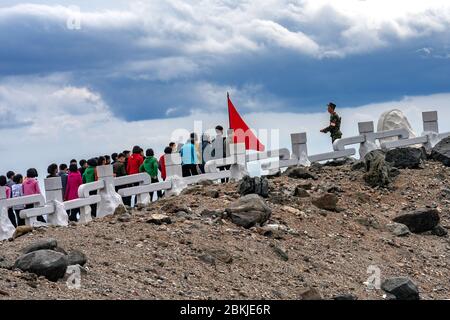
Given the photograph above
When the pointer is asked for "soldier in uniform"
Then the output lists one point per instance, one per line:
(335, 123)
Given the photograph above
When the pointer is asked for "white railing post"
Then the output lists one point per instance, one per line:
(430, 121)
(173, 165)
(54, 196)
(174, 174)
(366, 129)
(110, 199)
(239, 169)
(143, 198)
(300, 148)
(53, 189)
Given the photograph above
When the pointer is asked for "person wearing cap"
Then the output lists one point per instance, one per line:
(335, 123)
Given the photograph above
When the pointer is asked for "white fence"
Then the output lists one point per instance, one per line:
(103, 194)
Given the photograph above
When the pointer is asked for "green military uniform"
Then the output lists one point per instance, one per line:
(335, 127)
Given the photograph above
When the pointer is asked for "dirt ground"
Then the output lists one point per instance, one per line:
(329, 251)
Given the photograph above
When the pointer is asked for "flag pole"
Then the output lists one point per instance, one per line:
(228, 108)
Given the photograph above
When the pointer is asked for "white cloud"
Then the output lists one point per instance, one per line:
(318, 28)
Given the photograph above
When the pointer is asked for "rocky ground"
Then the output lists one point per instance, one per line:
(203, 254)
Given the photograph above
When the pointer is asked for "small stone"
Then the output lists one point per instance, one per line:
(300, 173)
(159, 219)
(280, 252)
(77, 257)
(120, 210)
(301, 193)
(439, 231)
(126, 217)
(22, 230)
(310, 294)
(398, 229)
(326, 202)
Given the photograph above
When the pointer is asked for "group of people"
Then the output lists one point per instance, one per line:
(125, 163)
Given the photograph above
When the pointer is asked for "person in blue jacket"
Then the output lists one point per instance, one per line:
(189, 159)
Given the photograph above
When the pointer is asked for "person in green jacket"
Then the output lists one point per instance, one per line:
(150, 166)
(89, 173)
(89, 176)
(335, 123)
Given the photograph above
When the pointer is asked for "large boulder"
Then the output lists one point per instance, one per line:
(406, 158)
(47, 263)
(402, 288)
(441, 152)
(300, 173)
(48, 244)
(420, 220)
(249, 211)
(378, 171)
(254, 185)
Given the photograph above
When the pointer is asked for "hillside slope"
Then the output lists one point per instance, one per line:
(197, 257)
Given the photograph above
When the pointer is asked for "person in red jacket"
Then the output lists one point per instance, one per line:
(135, 161)
(162, 163)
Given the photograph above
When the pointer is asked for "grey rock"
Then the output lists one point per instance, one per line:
(339, 162)
(300, 173)
(359, 166)
(441, 152)
(76, 257)
(301, 193)
(369, 222)
(406, 158)
(280, 252)
(159, 219)
(48, 244)
(398, 229)
(326, 202)
(47, 263)
(378, 171)
(126, 217)
(249, 211)
(420, 220)
(256, 185)
(310, 294)
(402, 288)
(212, 213)
(305, 186)
(207, 258)
(439, 231)
(221, 255)
(5, 263)
(120, 210)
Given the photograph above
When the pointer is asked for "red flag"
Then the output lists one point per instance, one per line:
(242, 133)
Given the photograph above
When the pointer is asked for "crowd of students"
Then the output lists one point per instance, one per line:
(125, 163)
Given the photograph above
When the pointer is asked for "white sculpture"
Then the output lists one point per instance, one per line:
(394, 119)
(6, 227)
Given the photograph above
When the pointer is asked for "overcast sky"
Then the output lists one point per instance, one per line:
(134, 71)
